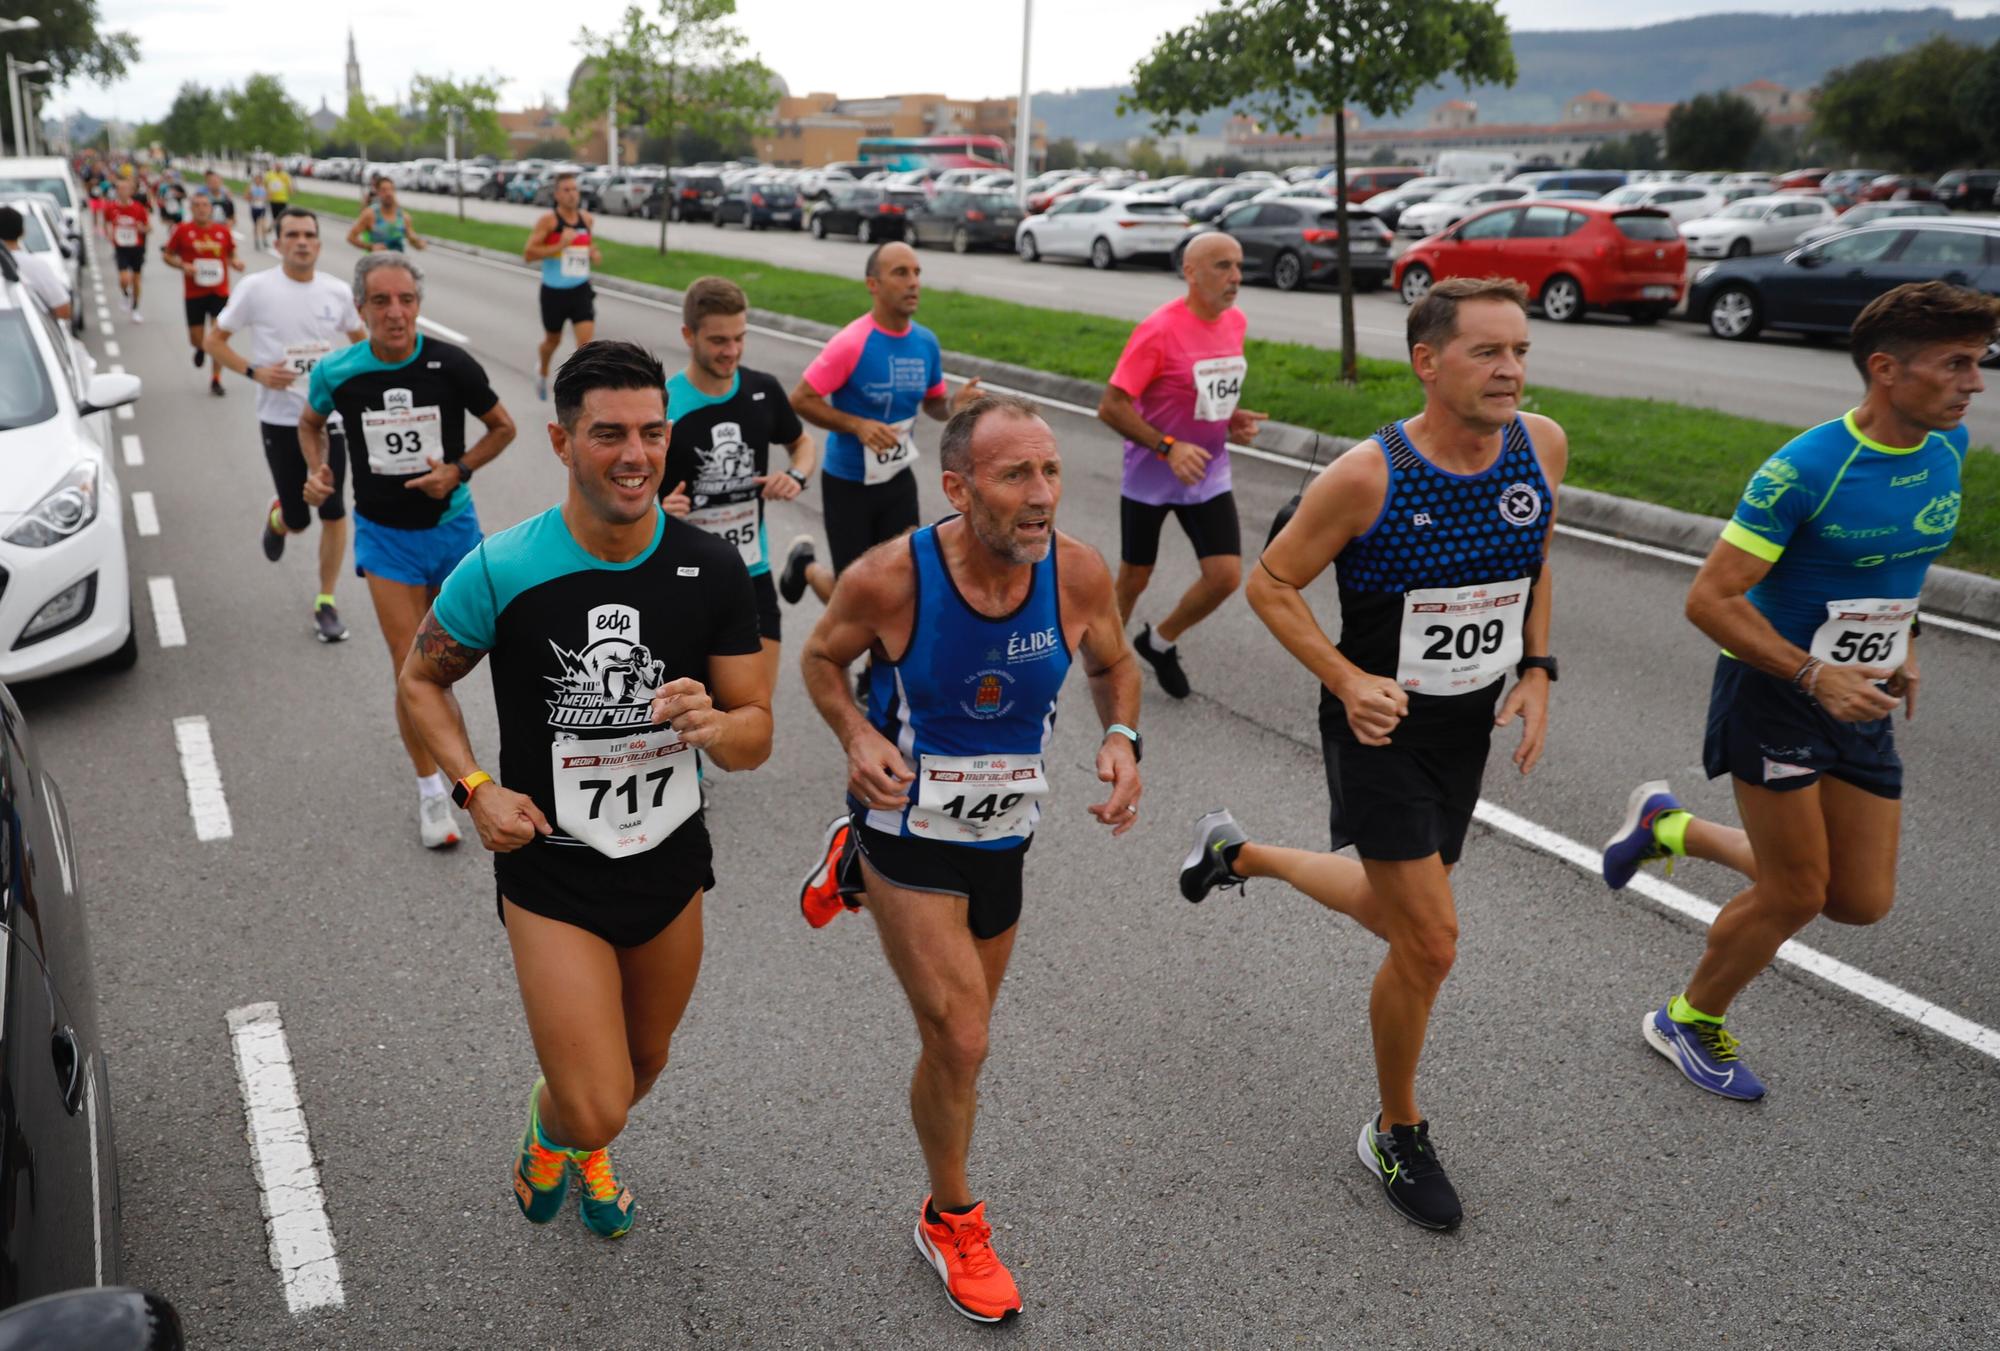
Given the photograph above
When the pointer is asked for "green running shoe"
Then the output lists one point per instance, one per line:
(606, 1205)
(541, 1177)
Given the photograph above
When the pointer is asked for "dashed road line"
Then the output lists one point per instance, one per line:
(145, 517)
(128, 445)
(167, 612)
(104, 328)
(206, 803)
(1834, 972)
(124, 412)
(111, 349)
(301, 1236)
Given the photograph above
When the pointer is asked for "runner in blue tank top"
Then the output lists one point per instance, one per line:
(1812, 593)
(561, 243)
(1437, 529)
(973, 623)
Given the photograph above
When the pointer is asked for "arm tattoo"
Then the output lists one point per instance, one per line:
(451, 659)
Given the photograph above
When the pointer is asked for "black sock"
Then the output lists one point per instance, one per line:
(931, 1211)
(1229, 853)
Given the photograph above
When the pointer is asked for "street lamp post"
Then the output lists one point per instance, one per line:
(32, 117)
(16, 69)
(1024, 123)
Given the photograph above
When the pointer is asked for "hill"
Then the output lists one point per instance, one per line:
(1657, 64)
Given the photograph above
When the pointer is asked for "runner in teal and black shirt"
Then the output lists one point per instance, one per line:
(1812, 592)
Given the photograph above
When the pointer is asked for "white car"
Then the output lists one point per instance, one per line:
(1678, 200)
(42, 236)
(1453, 205)
(1106, 227)
(1755, 225)
(68, 598)
(50, 174)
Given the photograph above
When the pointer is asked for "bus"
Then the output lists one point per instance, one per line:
(934, 152)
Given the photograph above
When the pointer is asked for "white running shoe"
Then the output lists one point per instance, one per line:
(137, 316)
(435, 821)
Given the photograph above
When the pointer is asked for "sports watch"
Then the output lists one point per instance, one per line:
(1131, 734)
(1166, 447)
(795, 476)
(1528, 664)
(462, 791)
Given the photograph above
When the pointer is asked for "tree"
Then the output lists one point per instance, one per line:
(70, 40)
(1976, 100)
(549, 147)
(1062, 154)
(1713, 131)
(197, 122)
(684, 72)
(1285, 60)
(1641, 150)
(1905, 108)
(472, 104)
(263, 117)
(373, 127)
(1383, 155)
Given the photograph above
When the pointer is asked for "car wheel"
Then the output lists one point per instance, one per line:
(674, 213)
(1739, 248)
(1025, 246)
(1562, 299)
(1992, 357)
(961, 240)
(1734, 314)
(865, 232)
(818, 227)
(1416, 283)
(913, 236)
(1287, 272)
(1101, 256)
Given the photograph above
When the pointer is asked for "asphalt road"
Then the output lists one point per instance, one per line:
(1783, 378)
(1167, 1131)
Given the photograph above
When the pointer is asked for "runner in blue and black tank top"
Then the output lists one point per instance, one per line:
(974, 622)
(1812, 593)
(561, 243)
(1437, 529)
(383, 226)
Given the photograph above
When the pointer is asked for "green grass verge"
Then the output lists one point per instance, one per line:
(1691, 458)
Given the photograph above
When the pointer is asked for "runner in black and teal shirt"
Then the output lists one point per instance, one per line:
(383, 226)
(725, 419)
(403, 399)
(1812, 593)
(623, 648)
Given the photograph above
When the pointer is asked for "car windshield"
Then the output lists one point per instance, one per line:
(1645, 225)
(26, 397)
(1741, 210)
(1140, 207)
(1631, 196)
(991, 201)
(54, 187)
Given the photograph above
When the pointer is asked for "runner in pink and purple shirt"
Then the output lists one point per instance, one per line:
(1173, 397)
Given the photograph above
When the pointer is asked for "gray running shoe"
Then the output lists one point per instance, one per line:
(435, 821)
(792, 581)
(1207, 865)
(327, 626)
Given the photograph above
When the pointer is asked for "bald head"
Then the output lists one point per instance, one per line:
(893, 272)
(1212, 262)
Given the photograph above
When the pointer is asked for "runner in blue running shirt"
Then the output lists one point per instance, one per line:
(1812, 594)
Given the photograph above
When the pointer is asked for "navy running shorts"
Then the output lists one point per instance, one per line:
(1770, 735)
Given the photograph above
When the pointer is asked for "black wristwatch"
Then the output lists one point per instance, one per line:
(795, 476)
(250, 374)
(464, 471)
(1131, 734)
(1166, 447)
(1528, 664)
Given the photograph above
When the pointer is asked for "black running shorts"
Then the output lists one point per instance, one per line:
(288, 474)
(769, 627)
(988, 879)
(1399, 802)
(1211, 527)
(627, 902)
(202, 308)
(130, 260)
(568, 305)
(1770, 735)
(860, 516)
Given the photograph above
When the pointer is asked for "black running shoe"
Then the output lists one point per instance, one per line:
(792, 581)
(274, 543)
(1405, 1162)
(215, 388)
(197, 358)
(327, 626)
(1207, 866)
(1166, 665)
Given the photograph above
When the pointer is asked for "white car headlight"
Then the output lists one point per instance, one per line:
(69, 507)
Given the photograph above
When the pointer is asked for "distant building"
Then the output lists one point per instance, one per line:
(325, 120)
(1589, 120)
(353, 67)
(819, 128)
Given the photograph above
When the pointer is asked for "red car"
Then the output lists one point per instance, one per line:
(1801, 178)
(1898, 188)
(1573, 256)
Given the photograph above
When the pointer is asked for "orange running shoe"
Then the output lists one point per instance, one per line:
(960, 1249)
(822, 896)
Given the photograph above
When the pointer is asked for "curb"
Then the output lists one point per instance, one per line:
(1948, 591)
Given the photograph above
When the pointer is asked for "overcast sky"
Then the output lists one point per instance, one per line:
(967, 48)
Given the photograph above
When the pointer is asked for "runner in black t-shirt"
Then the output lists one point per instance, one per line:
(726, 417)
(623, 644)
(403, 399)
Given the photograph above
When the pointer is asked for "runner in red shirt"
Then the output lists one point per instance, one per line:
(128, 220)
(204, 249)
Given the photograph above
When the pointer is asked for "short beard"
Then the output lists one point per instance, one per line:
(1002, 544)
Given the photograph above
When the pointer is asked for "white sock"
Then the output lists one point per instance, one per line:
(1153, 644)
(433, 784)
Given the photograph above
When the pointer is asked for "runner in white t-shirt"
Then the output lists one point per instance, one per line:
(294, 317)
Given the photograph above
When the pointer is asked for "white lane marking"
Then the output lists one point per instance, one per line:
(1834, 972)
(116, 369)
(1269, 456)
(96, 1182)
(104, 313)
(206, 803)
(144, 515)
(167, 612)
(129, 444)
(111, 349)
(104, 328)
(448, 334)
(301, 1237)
(125, 413)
